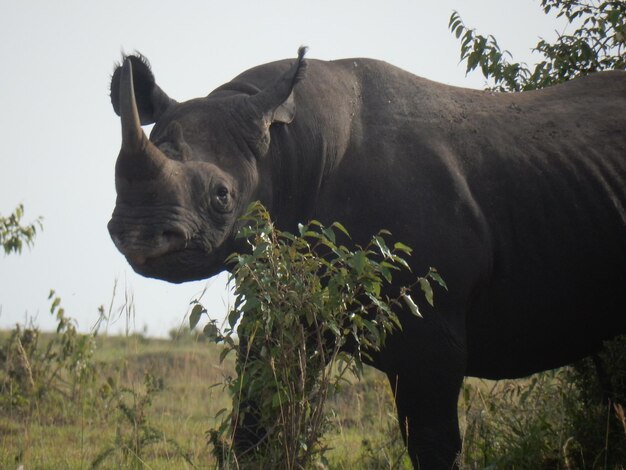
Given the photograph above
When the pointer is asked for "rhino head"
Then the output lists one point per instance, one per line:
(181, 192)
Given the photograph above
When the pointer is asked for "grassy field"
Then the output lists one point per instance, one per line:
(148, 403)
(72, 434)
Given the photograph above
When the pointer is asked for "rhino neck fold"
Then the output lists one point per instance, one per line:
(298, 168)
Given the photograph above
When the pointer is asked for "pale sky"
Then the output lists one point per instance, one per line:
(60, 137)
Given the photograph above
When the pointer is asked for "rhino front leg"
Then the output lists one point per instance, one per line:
(429, 426)
(426, 387)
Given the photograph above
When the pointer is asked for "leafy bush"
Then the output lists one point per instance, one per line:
(134, 431)
(186, 335)
(554, 419)
(597, 424)
(35, 374)
(597, 43)
(13, 235)
(307, 310)
(518, 423)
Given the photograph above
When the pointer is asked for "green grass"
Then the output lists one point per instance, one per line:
(71, 436)
(540, 422)
(74, 436)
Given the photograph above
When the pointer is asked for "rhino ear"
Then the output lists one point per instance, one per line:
(285, 112)
(276, 103)
(152, 102)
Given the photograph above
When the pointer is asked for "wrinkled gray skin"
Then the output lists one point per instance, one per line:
(517, 199)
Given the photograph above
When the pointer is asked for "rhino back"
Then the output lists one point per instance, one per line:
(518, 199)
(515, 198)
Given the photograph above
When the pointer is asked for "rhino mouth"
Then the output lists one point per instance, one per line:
(173, 252)
(142, 257)
(179, 265)
(140, 242)
(166, 267)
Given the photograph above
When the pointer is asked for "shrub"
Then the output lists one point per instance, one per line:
(597, 428)
(52, 373)
(307, 310)
(13, 235)
(564, 418)
(134, 431)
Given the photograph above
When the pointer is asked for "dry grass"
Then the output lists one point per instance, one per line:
(71, 438)
(512, 424)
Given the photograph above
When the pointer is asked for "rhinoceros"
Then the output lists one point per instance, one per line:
(518, 200)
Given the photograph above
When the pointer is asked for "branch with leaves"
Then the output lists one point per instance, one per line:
(307, 311)
(14, 235)
(597, 43)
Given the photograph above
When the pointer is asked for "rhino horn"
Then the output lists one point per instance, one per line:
(138, 158)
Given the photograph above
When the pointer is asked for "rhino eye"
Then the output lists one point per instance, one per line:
(222, 193)
(222, 198)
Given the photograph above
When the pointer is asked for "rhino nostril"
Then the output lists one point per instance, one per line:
(141, 243)
(117, 236)
(116, 232)
(173, 234)
(117, 240)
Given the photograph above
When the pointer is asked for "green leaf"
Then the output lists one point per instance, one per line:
(261, 248)
(401, 261)
(435, 276)
(228, 340)
(472, 60)
(372, 287)
(385, 271)
(233, 317)
(613, 16)
(251, 304)
(382, 246)
(225, 352)
(403, 248)
(412, 305)
(427, 289)
(453, 17)
(341, 228)
(194, 316)
(278, 399)
(335, 329)
(374, 331)
(459, 29)
(358, 262)
(328, 233)
(211, 331)
(221, 412)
